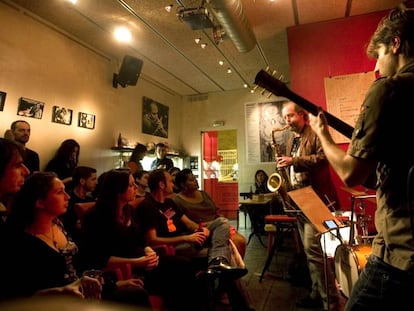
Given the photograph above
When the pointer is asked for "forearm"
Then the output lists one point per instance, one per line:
(335, 155)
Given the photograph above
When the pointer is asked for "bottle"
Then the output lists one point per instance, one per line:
(119, 140)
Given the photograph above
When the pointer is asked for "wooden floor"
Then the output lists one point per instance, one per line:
(276, 291)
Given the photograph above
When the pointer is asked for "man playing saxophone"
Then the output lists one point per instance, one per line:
(306, 165)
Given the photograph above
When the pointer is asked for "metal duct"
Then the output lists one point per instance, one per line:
(229, 14)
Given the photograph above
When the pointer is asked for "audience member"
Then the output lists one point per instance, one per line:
(21, 133)
(111, 236)
(137, 155)
(161, 162)
(173, 172)
(260, 182)
(12, 175)
(141, 179)
(8, 134)
(165, 223)
(64, 161)
(199, 206)
(84, 182)
(38, 253)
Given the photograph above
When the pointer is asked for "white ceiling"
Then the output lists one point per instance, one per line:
(172, 60)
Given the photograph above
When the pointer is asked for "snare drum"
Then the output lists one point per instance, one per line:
(349, 262)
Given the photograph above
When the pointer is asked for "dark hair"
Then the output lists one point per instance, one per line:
(82, 172)
(64, 151)
(14, 124)
(36, 187)
(398, 23)
(155, 177)
(161, 145)
(182, 177)
(139, 149)
(111, 184)
(8, 151)
(174, 169)
(138, 174)
(258, 172)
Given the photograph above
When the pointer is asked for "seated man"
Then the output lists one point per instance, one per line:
(84, 183)
(165, 223)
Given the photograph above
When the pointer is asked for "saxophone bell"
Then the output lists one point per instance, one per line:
(274, 182)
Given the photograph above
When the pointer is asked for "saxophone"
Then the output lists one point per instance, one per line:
(279, 181)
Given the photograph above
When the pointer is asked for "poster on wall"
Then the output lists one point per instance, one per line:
(2, 100)
(62, 115)
(344, 97)
(30, 108)
(154, 118)
(261, 120)
(86, 120)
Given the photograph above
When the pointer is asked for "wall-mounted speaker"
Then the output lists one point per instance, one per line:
(129, 72)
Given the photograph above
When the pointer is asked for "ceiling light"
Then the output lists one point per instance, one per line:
(252, 91)
(168, 8)
(122, 34)
(221, 63)
(203, 45)
(229, 70)
(197, 40)
(245, 85)
(73, 1)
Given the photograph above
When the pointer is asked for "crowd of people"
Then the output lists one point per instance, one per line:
(46, 245)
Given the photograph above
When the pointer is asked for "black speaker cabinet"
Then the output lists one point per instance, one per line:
(129, 71)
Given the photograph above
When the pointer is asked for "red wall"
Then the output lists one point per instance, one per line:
(333, 48)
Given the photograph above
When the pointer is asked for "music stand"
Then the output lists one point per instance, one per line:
(317, 213)
(313, 208)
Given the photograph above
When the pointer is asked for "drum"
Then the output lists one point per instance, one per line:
(349, 262)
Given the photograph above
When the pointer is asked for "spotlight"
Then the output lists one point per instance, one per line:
(245, 85)
(229, 70)
(221, 63)
(203, 45)
(168, 8)
(197, 40)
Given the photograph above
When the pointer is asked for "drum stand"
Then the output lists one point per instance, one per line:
(362, 221)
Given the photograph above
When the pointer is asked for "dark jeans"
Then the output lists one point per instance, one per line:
(381, 287)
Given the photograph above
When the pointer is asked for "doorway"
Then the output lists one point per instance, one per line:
(220, 170)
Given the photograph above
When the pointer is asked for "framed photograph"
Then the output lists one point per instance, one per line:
(62, 115)
(86, 120)
(154, 118)
(2, 100)
(30, 108)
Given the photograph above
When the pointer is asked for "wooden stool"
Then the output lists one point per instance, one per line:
(277, 226)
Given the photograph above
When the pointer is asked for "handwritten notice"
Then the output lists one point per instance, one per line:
(344, 97)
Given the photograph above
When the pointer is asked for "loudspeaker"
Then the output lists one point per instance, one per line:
(129, 72)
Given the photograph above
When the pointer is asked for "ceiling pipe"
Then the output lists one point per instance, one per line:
(230, 15)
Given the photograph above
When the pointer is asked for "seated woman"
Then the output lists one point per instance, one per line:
(111, 237)
(134, 163)
(199, 207)
(275, 207)
(40, 257)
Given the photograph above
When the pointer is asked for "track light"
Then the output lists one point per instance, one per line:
(168, 8)
(221, 63)
(229, 70)
(197, 40)
(203, 45)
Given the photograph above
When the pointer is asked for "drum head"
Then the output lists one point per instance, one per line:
(346, 268)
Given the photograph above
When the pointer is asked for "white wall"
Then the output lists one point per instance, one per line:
(40, 63)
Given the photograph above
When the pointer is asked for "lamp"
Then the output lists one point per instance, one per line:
(197, 40)
(168, 8)
(203, 45)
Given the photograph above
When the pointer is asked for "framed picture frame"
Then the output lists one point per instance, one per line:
(30, 108)
(86, 120)
(154, 118)
(62, 115)
(2, 100)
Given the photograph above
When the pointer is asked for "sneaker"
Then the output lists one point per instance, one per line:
(309, 303)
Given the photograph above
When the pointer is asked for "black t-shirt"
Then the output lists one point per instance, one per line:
(164, 217)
